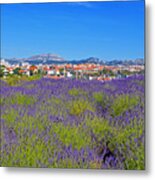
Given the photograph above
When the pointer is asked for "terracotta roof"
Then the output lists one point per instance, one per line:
(32, 68)
(46, 69)
(9, 69)
(68, 66)
(77, 68)
(107, 79)
(22, 71)
(53, 77)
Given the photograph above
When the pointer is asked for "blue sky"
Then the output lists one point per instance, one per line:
(108, 30)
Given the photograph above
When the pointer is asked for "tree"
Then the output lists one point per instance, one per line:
(104, 71)
(111, 73)
(2, 67)
(16, 71)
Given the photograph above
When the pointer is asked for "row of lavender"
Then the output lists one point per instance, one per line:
(73, 124)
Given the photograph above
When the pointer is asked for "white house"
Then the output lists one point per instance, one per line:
(69, 75)
(90, 78)
(51, 72)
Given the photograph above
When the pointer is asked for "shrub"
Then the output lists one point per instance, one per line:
(20, 99)
(123, 103)
(74, 136)
(79, 106)
(101, 98)
(76, 92)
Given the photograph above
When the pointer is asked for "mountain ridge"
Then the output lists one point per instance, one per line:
(50, 58)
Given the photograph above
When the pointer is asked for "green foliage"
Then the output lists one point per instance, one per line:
(123, 103)
(2, 67)
(72, 135)
(20, 99)
(99, 126)
(126, 72)
(76, 92)
(79, 106)
(16, 70)
(101, 98)
(138, 162)
(55, 100)
(24, 100)
(107, 72)
(98, 96)
(13, 80)
(34, 77)
(104, 71)
(121, 138)
(16, 80)
(10, 116)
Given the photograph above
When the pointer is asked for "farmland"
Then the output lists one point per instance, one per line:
(69, 123)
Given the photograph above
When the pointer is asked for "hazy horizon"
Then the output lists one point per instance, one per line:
(73, 59)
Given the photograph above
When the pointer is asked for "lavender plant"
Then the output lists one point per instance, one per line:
(73, 124)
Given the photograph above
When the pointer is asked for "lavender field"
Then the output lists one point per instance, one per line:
(73, 124)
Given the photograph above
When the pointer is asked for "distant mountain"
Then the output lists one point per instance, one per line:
(139, 61)
(53, 59)
(56, 59)
(45, 57)
(92, 60)
(38, 58)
